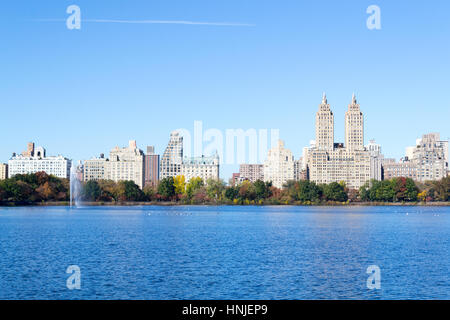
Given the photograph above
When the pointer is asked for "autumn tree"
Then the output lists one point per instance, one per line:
(193, 185)
(215, 189)
(179, 182)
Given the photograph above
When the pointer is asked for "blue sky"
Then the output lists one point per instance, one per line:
(82, 92)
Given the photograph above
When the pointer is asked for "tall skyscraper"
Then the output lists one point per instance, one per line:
(335, 162)
(324, 126)
(354, 127)
(376, 160)
(172, 158)
(151, 167)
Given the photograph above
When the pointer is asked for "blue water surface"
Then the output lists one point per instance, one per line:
(227, 252)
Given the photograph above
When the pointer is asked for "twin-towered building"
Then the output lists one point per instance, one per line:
(328, 161)
(356, 164)
(323, 162)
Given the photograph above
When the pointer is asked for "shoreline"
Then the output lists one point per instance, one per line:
(174, 204)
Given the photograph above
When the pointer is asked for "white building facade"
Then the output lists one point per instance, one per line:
(126, 164)
(279, 165)
(95, 169)
(202, 167)
(38, 161)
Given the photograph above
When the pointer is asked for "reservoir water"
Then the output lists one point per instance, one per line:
(226, 252)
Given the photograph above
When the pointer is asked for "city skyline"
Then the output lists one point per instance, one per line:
(328, 143)
(271, 75)
(323, 161)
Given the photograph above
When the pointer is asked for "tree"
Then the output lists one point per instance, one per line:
(308, 191)
(42, 177)
(150, 192)
(364, 192)
(262, 189)
(385, 191)
(412, 190)
(200, 196)
(193, 185)
(45, 191)
(31, 179)
(179, 183)
(129, 191)
(335, 192)
(232, 192)
(442, 189)
(91, 191)
(109, 190)
(247, 191)
(215, 188)
(16, 191)
(166, 188)
(422, 196)
(2, 194)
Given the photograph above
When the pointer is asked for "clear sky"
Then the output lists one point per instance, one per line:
(82, 92)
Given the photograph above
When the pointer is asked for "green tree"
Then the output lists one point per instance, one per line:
(166, 188)
(215, 189)
(384, 191)
(193, 185)
(17, 191)
(308, 191)
(335, 192)
(91, 191)
(130, 191)
(232, 192)
(412, 190)
(262, 189)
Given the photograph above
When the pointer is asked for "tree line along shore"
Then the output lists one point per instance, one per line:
(42, 189)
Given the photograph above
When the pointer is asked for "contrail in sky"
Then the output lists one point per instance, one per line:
(220, 24)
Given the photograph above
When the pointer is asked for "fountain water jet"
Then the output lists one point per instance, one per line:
(75, 187)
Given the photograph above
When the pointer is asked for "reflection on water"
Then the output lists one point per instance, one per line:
(225, 252)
